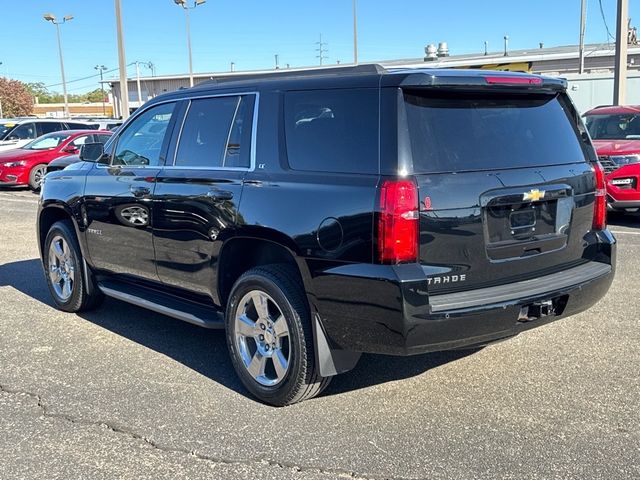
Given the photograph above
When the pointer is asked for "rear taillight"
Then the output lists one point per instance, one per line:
(398, 222)
(600, 206)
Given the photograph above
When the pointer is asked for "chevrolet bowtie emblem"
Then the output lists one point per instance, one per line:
(534, 195)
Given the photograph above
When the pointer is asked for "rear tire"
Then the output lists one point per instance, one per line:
(65, 272)
(36, 176)
(270, 338)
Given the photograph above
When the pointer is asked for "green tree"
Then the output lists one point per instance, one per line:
(15, 97)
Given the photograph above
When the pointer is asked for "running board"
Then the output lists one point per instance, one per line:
(166, 304)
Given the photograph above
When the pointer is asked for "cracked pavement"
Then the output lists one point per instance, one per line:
(126, 393)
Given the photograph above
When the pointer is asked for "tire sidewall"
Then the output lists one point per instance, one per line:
(277, 394)
(75, 300)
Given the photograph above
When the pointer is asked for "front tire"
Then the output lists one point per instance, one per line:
(64, 270)
(269, 336)
(36, 176)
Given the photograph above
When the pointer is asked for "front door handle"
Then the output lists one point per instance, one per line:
(219, 195)
(139, 192)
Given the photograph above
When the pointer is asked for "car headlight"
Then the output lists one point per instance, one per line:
(625, 159)
(19, 163)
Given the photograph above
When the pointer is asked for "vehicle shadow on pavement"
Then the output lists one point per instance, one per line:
(205, 351)
(623, 219)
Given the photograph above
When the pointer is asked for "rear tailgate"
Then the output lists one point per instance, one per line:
(506, 191)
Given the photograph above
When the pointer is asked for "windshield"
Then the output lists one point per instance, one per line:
(5, 128)
(468, 131)
(614, 127)
(47, 142)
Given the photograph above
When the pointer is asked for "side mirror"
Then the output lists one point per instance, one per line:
(92, 152)
(70, 149)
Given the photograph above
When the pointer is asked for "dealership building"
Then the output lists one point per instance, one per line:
(592, 88)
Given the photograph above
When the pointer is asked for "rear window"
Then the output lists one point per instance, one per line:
(464, 132)
(332, 130)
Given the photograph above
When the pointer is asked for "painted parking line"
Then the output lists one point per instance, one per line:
(621, 232)
(18, 200)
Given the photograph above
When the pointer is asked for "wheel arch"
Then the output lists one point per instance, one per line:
(52, 213)
(242, 253)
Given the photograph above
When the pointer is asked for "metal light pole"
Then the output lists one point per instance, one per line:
(102, 68)
(620, 75)
(49, 17)
(122, 64)
(355, 32)
(186, 8)
(583, 23)
(138, 83)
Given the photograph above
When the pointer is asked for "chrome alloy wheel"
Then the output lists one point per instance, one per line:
(38, 175)
(262, 338)
(61, 268)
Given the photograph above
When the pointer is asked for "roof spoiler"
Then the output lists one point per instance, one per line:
(484, 80)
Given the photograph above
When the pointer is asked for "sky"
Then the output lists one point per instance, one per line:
(250, 32)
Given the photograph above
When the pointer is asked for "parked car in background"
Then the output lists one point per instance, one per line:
(62, 162)
(27, 165)
(318, 215)
(99, 123)
(14, 133)
(615, 132)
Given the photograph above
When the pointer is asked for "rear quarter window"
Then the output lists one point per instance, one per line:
(332, 130)
(465, 131)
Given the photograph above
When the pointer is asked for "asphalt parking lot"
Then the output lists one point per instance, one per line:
(125, 393)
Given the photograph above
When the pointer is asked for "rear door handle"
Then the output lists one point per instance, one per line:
(219, 195)
(139, 192)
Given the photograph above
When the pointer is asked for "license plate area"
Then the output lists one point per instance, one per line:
(515, 227)
(520, 221)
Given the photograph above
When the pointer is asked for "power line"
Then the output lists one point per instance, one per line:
(95, 75)
(604, 20)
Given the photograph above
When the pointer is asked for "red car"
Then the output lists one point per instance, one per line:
(615, 132)
(27, 165)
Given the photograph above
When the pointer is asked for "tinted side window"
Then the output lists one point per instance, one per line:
(141, 142)
(26, 131)
(49, 127)
(332, 130)
(205, 133)
(81, 126)
(102, 138)
(238, 149)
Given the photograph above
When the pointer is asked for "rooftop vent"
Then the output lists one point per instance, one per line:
(443, 49)
(431, 53)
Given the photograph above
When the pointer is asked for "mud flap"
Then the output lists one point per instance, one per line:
(331, 361)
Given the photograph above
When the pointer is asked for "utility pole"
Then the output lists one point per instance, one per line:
(620, 75)
(583, 26)
(355, 32)
(52, 18)
(102, 68)
(122, 64)
(321, 50)
(138, 84)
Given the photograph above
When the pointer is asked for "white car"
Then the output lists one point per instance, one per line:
(14, 133)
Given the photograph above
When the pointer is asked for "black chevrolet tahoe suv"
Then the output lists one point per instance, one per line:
(315, 215)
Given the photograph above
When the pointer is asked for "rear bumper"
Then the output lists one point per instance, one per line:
(387, 309)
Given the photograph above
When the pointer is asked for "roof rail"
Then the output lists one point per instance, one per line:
(369, 68)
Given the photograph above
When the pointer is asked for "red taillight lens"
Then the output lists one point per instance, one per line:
(600, 206)
(507, 80)
(398, 223)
